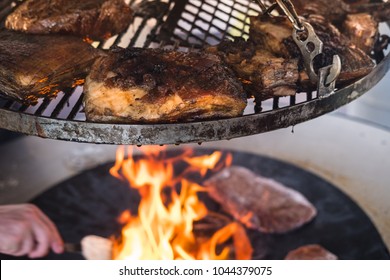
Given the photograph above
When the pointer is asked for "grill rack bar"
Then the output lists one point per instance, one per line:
(63, 117)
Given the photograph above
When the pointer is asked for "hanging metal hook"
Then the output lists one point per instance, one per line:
(310, 47)
(289, 10)
(262, 6)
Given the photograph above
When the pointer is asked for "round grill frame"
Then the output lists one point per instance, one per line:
(15, 118)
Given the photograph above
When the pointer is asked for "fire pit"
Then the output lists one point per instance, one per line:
(91, 202)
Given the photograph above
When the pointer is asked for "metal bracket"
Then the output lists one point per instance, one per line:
(327, 78)
(310, 47)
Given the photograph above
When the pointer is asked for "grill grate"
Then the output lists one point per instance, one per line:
(68, 103)
(183, 25)
(180, 25)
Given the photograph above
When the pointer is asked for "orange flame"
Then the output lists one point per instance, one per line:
(164, 225)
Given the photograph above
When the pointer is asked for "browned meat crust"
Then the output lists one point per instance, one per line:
(362, 31)
(269, 63)
(263, 74)
(259, 203)
(96, 19)
(355, 62)
(336, 11)
(310, 252)
(154, 86)
(35, 66)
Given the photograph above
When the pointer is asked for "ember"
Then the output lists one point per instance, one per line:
(163, 228)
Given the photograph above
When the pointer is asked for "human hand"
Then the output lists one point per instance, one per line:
(26, 230)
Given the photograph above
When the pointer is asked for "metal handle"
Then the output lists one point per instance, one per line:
(289, 10)
(310, 47)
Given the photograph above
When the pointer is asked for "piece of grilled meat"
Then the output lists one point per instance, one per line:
(96, 19)
(336, 11)
(362, 31)
(259, 203)
(35, 66)
(268, 32)
(310, 252)
(263, 74)
(160, 86)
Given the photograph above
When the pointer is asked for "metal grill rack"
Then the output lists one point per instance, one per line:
(183, 25)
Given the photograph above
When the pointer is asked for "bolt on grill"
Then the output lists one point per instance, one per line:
(184, 25)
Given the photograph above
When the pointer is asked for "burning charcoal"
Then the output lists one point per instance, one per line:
(155, 85)
(96, 19)
(259, 203)
(35, 66)
(310, 252)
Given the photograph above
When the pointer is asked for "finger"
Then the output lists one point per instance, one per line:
(41, 235)
(11, 242)
(11, 248)
(22, 245)
(56, 243)
(27, 245)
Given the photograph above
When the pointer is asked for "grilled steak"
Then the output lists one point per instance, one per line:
(155, 86)
(259, 203)
(34, 66)
(96, 19)
(263, 74)
(362, 31)
(310, 252)
(336, 11)
(355, 62)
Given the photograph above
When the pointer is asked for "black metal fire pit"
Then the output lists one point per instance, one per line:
(91, 202)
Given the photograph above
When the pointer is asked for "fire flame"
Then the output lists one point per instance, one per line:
(163, 228)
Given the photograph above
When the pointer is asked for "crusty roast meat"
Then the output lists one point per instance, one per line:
(310, 252)
(263, 74)
(35, 66)
(269, 63)
(259, 203)
(268, 32)
(362, 31)
(155, 86)
(336, 11)
(96, 19)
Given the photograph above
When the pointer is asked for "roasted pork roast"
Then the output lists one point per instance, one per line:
(310, 252)
(96, 19)
(159, 86)
(35, 66)
(259, 203)
(274, 35)
(263, 74)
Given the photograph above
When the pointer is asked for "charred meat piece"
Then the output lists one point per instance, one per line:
(263, 74)
(336, 11)
(96, 19)
(362, 31)
(156, 86)
(355, 62)
(259, 203)
(35, 66)
(270, 33)
(310, 252)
